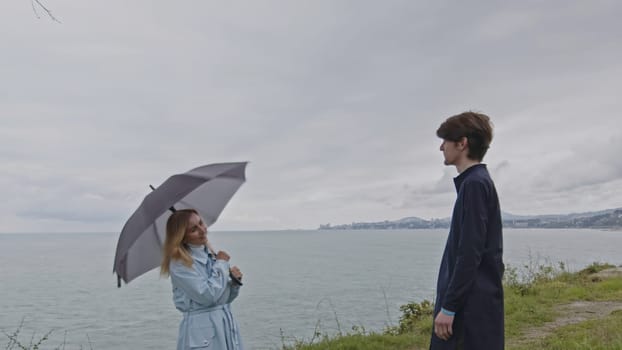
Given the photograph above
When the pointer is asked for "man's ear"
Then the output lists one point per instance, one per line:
(463, 143)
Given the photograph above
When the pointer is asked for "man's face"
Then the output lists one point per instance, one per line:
(451, 151)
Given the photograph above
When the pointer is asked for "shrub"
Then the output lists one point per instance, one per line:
(412, 314)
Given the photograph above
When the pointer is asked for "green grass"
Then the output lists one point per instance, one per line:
(531, 297)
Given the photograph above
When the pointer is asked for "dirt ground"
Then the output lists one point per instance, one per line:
(576, 312)
(570, 314)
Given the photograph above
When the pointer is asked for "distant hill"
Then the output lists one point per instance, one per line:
(412, 222)
(609, 218)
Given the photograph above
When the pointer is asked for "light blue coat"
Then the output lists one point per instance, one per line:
(203, 294)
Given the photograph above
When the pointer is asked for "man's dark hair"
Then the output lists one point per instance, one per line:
(476, 127)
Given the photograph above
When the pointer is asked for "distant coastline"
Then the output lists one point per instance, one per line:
(604, 219)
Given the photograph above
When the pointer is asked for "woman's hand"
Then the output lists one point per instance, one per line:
(235, 272)
(222, 255)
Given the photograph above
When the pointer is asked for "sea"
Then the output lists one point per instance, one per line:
(59, 289)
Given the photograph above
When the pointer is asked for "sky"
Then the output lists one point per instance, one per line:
(335, 104)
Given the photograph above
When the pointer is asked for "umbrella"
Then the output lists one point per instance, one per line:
(207, 189)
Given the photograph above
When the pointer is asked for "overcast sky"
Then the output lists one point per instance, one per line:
(334, 103)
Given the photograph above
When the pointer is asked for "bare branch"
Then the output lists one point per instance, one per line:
(34, 9)
(32, 2)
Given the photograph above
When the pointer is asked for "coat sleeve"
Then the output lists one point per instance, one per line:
(234, 292)
(471, 244)
(198, 288)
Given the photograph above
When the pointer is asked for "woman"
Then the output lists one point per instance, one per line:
(202, 286)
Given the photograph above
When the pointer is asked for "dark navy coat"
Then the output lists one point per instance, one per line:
(471, 272)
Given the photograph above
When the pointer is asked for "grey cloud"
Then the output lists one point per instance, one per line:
(593, 163)
(501, 167)
(442, 186)
(334, 103)
(68, 215)
(585, 198)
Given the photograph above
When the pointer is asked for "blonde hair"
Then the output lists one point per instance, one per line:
(174, 247)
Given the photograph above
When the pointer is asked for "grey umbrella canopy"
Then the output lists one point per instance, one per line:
(207, 189)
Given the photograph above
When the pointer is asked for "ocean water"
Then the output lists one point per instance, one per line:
(295, 282)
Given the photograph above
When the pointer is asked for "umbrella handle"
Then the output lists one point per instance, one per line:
(235, 279)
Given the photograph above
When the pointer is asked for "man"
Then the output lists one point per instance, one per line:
(469, 302)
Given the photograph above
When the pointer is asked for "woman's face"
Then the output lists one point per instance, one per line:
(196, 233)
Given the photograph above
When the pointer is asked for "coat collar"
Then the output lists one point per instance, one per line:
(199, 253)
(458, 180)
